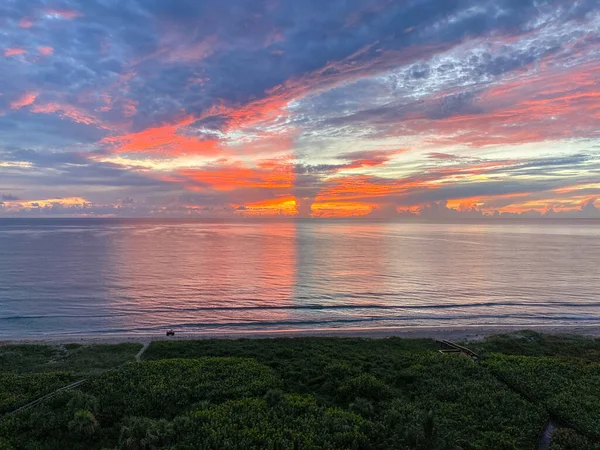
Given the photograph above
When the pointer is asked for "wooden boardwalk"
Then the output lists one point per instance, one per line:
(451, 347)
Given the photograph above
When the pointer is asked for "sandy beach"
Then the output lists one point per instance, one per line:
(464, 333)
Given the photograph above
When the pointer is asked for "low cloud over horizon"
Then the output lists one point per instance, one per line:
(421, 108)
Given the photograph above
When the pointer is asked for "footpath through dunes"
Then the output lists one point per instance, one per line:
(300, 393)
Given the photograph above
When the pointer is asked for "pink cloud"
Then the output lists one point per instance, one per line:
(14, 51)
(67, 111)
(63, 13)
(25, 22)
(46, 50)
(129, 108)
(24, 100)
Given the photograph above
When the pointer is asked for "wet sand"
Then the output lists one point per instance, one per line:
(464, 333)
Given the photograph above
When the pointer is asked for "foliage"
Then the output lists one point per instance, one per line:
(570, 390)
(53, 424)
(300, 393)
(142, 433)
(380, 379)
(530, 343)
(81, 359)
(569, 439)
(18, 390)
(20, 357)
(296, 421)
(158, 389)
(449, 402)
(83, 423)
(306, 365)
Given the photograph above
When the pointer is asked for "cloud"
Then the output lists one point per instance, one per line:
(24, 100)
(45, 50)
(63, 13)
(66, 111)
(14, 51)
(25, 22)
(334, 108)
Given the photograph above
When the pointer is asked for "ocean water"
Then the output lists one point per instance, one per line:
(144, 276)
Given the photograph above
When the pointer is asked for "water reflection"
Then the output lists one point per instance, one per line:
(145, 276)
(204, 274)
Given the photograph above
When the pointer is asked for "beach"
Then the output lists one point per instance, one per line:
(463, 334)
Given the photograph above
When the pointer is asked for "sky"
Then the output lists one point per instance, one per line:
(312, 108)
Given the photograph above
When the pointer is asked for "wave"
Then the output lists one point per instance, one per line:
(311, 307)
(339, 323)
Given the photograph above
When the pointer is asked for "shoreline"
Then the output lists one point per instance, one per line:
(469, 333)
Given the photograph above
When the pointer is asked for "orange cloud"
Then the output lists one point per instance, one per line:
(341, 209)
(14, 51)
(24, 100)
(282, 206)
(360, 187)
(269, 175)
(163, 139)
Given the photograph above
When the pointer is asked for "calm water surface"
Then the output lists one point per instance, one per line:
(141, 276)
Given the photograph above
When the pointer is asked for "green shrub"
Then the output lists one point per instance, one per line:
(83, 423)
(141, 433)
(569, 439)
(18, 390)
(568, 389)
(163, 389)
(296, 422)
(365, 386)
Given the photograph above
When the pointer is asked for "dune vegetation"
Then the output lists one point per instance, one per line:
(303, 393)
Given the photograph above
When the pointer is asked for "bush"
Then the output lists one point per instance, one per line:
(141, 433)
(568, 389)
(83, 423)
(365, 386)
(297, 422)
(164, 389)
(18, 390)
(569, 439)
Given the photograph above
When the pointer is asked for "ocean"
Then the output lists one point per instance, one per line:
(140, 276)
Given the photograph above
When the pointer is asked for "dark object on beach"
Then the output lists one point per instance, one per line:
(170, 333)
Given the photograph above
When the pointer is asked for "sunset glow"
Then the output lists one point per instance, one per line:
(361, 108)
